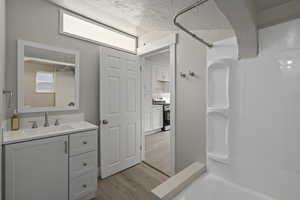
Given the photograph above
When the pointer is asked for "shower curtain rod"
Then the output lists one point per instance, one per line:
(198, 3)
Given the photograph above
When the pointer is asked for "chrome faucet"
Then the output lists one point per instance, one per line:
(46, 124)
(34, 124)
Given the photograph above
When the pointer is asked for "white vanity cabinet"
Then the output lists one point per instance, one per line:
(59, 167)
(37, 169)
(83, 165)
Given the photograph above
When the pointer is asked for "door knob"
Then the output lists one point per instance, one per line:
(105, 121)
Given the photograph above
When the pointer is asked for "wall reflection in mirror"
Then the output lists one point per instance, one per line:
(49, 78)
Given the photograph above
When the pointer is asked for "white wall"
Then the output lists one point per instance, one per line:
(264, 143)
(2, 58)
(38, 21)
(2, 78)
(209, 35)
(190, 98)
(157, 62)
(190, 103)
(242, 17)
(65, 90)
(277, 14)
(31, 97)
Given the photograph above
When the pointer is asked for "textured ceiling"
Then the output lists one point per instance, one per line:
(142, 16)
(265, 4)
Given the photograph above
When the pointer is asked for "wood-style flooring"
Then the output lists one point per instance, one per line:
(158, 151)
(134, 183)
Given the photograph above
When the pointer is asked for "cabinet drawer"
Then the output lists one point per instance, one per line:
(83, 163)
(83, 142)
(157, 108)
(84, 186)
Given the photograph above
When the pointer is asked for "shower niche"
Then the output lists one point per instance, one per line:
(218, 110)
(218, 136)
(218, 78)
(221, 62)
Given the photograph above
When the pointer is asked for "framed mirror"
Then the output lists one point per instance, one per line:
(48, 78)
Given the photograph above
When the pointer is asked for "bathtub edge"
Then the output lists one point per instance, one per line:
(177, 183)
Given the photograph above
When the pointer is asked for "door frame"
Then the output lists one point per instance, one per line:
(151, 48)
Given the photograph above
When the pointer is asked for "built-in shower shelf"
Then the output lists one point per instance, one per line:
(218, 126)
(219, 158)
(222, 110)
(218, 108)
(220, 62)
(218, 84)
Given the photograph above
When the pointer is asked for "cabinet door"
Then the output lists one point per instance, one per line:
(157, 118)
(163, 74)
(37, 170)
(148, 121)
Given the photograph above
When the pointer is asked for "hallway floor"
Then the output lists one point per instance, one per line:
(158, 151)
(134, 183)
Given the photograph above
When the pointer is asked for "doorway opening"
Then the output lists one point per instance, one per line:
(158, 106)
(157, 101)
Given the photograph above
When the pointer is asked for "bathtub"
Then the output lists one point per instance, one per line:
(195, 183)
(211, 187)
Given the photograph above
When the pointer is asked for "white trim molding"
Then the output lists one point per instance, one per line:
(157, 45)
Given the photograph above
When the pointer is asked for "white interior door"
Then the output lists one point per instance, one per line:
(119, 111)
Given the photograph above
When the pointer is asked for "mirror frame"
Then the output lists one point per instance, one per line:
(20, 77)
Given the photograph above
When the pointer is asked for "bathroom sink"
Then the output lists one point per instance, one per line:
(46, 130)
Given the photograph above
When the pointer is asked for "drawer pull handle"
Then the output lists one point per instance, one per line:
(84, 142)
(66, 147)
(84, 186)
(84, 164)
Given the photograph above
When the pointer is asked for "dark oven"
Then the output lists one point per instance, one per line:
(166, 117)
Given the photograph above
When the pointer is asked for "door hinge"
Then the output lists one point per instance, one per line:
(141, 148)
(140, 67)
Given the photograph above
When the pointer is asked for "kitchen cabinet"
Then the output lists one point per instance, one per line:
(37, 169)
(153, 119)
(61, 167)
(148, 121)
(163, 74)
(157, 117)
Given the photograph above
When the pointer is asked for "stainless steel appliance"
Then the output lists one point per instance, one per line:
(166, 117)
(166, 113)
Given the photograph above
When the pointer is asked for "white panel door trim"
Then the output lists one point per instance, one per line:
(120, 138)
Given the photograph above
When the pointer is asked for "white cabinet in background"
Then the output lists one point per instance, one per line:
(148, 121)
(153, 119)
(157, 117)
(163, 74)
(37, 170)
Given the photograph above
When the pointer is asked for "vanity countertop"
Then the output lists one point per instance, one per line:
(23, 135)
